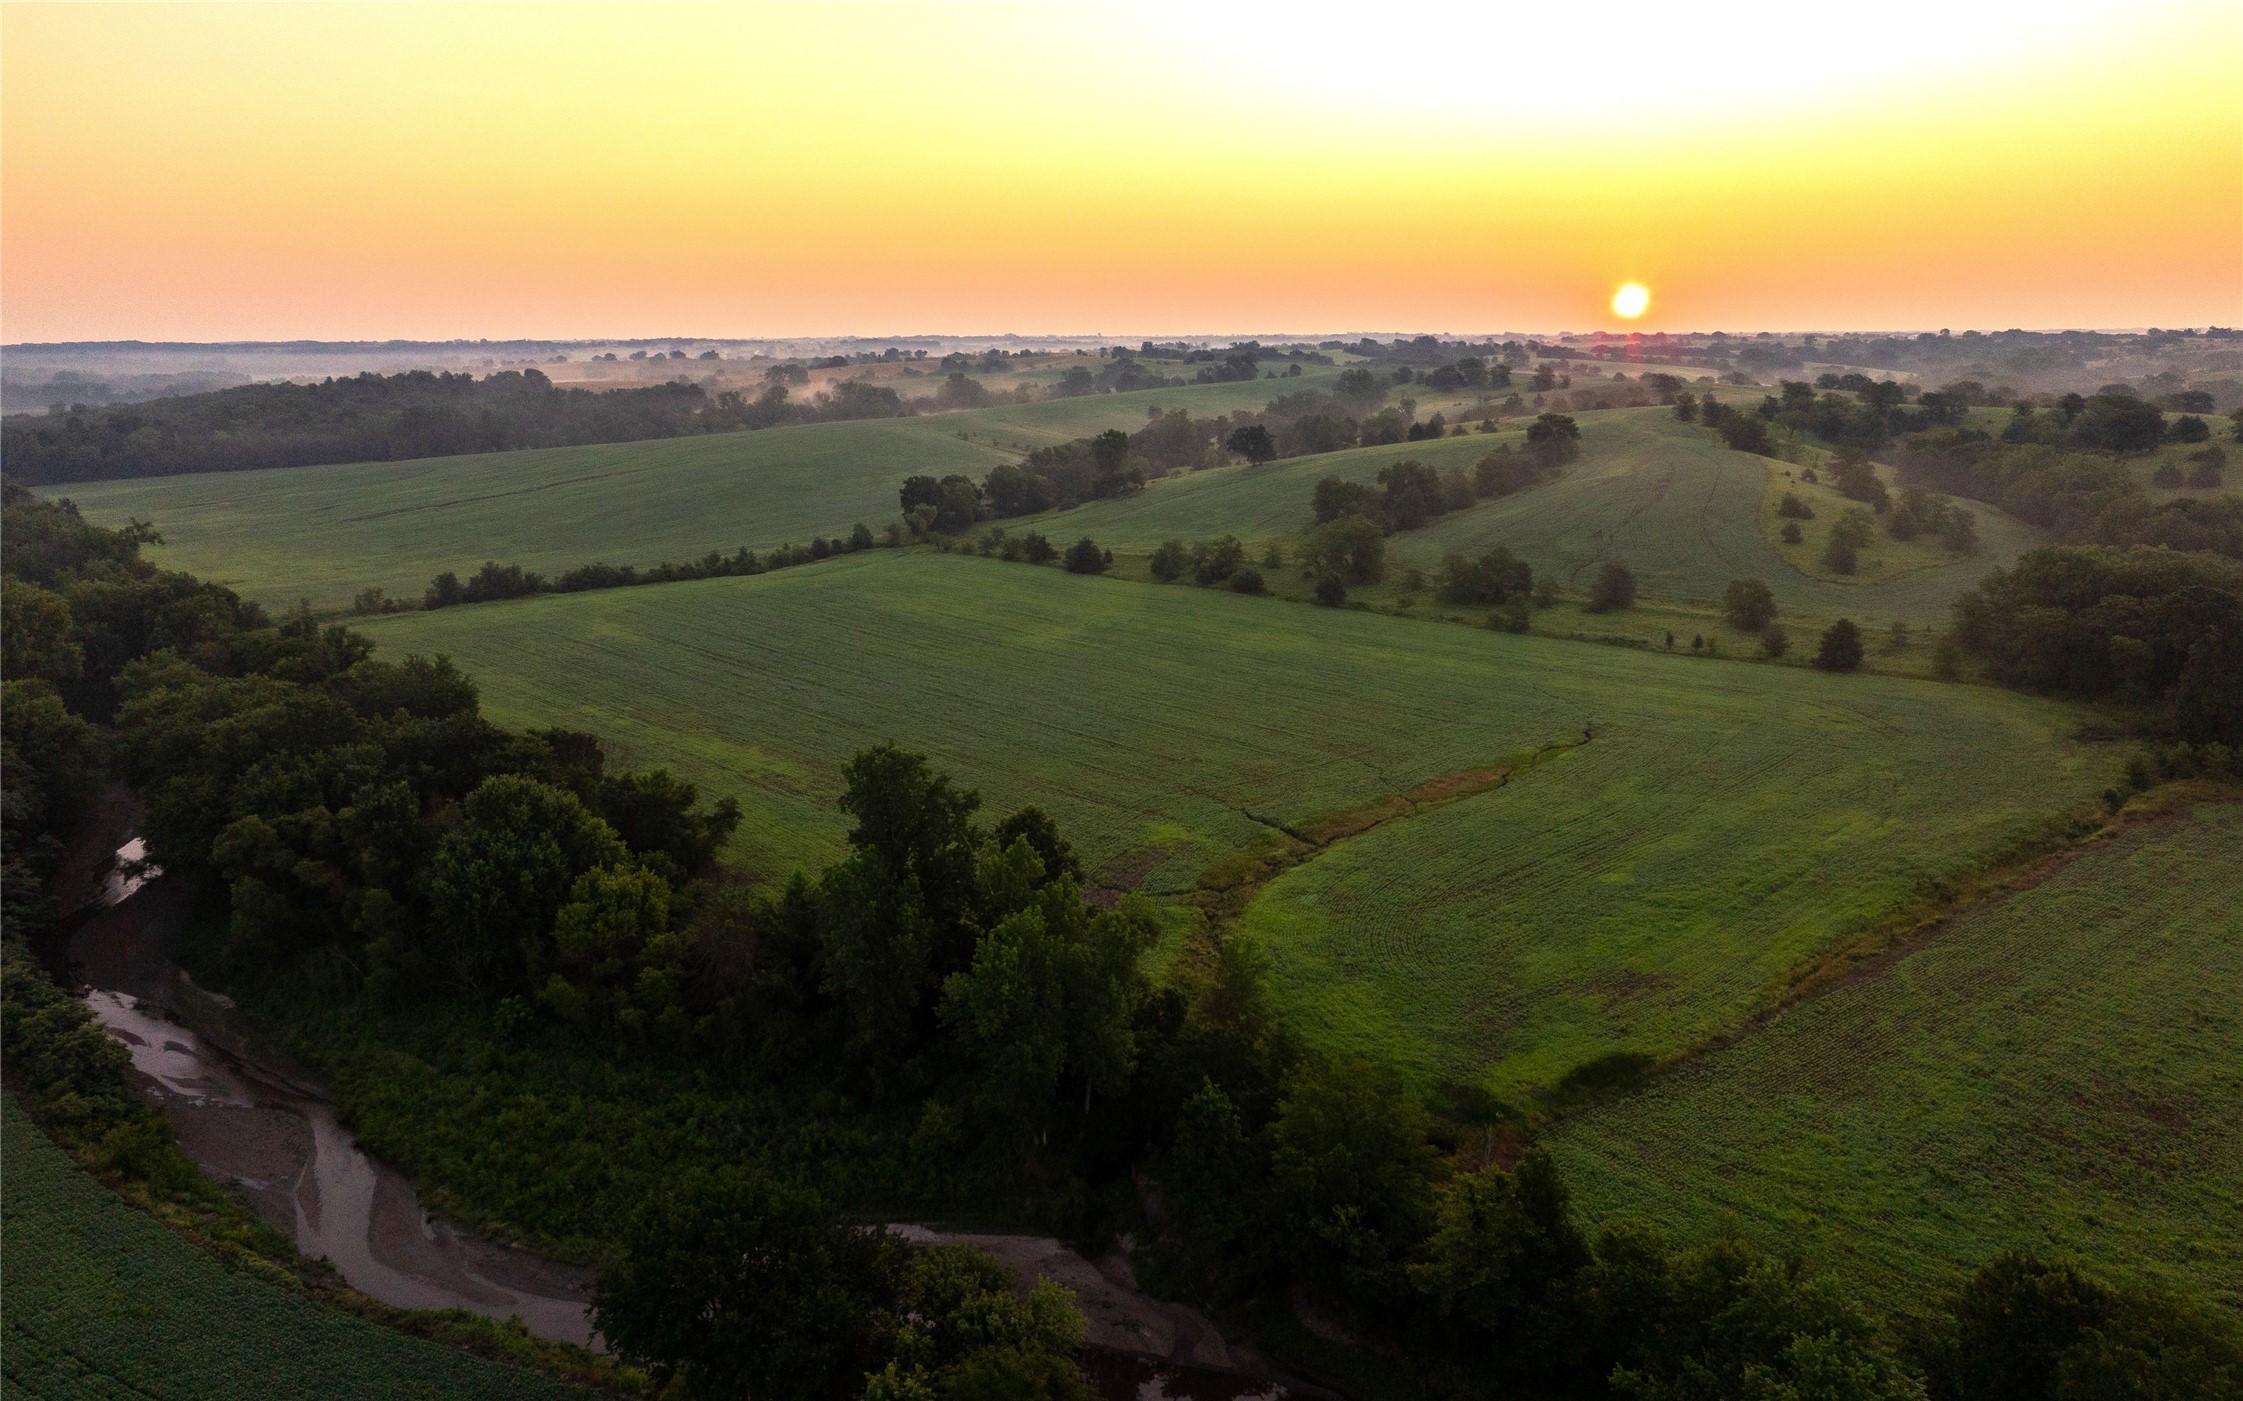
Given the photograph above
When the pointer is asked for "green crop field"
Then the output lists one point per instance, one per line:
(1634, 893)
(103, 1301)
(324, 533)
(2060, 1071)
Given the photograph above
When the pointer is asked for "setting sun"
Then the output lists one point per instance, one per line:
(1631, 300)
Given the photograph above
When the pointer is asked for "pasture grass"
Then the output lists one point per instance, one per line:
(1683, 512)
(105, 1301)
(1637, 893)
(2059, 1071)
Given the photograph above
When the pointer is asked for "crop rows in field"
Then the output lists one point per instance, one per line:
(103, 1301)
(1634, 893)
(2061, 1071)
(326, 532)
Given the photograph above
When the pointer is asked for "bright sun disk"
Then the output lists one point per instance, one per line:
(1629, 302)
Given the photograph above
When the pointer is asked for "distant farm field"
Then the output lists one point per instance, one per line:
(104, 1301)
(2061, 1071)
(324, 533)
(1635, 892)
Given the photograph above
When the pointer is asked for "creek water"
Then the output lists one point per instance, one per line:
(250, 1121)
(246, 1117)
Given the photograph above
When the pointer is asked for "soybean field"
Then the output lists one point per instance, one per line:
(2060, 1071)
(1633, 892)
(104, 1301)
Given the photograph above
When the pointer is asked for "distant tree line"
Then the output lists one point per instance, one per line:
(1351, 519)
(1352, 413)
(2079, 497)
(373, 417)
(2147, 627)
(495, 581)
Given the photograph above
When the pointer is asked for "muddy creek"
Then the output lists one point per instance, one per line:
(248, 1118)
(250, 1121)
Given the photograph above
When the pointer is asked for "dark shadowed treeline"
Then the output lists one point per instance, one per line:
(374, 417)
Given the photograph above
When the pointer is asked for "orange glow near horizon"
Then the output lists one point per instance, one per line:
(207, 172)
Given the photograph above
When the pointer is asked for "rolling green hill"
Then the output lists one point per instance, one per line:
(1636, 892)
(324, 533)
(2060, 1071)
(1682, 511)
(104, 1301)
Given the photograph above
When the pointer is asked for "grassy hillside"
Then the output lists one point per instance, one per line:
(324, 533)
(2060, 1071)
(104, 1301)
(1727, 819)
(1686, 514)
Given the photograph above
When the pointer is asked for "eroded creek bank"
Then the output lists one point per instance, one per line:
(247, 1117)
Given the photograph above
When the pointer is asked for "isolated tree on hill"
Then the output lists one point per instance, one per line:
(2119, 424)
(1751, 605)
(1351, 548)
(1413, 494)
(1218, 559)
(1253, 443)
(1615, 588)
(1109, 455)
(1335, 497)
(1169, 562)
(1359, 389)
(1841, 647)
(1553, 440)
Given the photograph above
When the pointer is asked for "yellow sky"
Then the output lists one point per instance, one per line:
(344, 171)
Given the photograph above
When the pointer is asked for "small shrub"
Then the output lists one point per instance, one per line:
(1792, 508)
(1774, 641)
(1791, 533)
(2168, 474)
(1751, 604)
(1330, 591)
(1841, 647)
(1248, 580)
(1839, 556)
(1036, 549)
(1614, 589)
(1084, 557)
(1170, 561)
(2207, 467)
(1215, 560)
